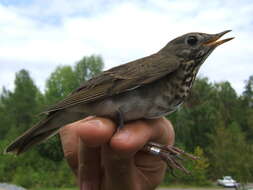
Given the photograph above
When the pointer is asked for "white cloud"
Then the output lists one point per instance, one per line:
(123, 31)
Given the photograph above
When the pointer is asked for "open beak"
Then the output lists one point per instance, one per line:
(213, 40)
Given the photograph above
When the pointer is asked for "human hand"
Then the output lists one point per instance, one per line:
(112, 160)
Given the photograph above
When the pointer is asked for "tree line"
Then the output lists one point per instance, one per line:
(215, 124)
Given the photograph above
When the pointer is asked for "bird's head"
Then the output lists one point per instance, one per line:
(195, 46)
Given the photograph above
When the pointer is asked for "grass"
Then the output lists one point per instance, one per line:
(54, 188)
(191, 186)
(172, 186)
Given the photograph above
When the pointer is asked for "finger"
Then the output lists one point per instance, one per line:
(118, 158)
(150, 166)
(119, 172)
(93, 134)
(93, 131)
(130, 140)
(163, 131)
(69, 141)
(165, 135)
(89, 173)
(136, 134)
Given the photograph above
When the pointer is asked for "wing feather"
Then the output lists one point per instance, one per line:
(120, 79)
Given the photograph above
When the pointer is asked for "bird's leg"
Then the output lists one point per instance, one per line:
(170, 154)
(120, 119)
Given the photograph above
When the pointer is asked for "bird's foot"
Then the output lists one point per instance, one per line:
(170, 154)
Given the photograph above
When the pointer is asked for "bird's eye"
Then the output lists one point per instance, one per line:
(192, 40)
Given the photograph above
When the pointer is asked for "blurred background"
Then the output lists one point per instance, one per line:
(49, 47)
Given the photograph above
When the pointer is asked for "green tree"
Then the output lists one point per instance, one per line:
(199, 168)
(6, 120)
(229, 153)
(248, 92)
(246, 114)
(87, 67)
(60, 83)
(21, 105)
(65, 78)
(228, 105)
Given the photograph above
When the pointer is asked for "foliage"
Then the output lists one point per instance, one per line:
(199, 168)
(232, 152)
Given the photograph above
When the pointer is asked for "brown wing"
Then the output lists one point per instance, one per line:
(120, 79)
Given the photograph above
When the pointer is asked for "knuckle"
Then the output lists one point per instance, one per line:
(123, 146)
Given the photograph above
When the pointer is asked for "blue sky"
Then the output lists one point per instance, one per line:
(38, 35)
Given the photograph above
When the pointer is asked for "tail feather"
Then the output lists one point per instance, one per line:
(42, 131)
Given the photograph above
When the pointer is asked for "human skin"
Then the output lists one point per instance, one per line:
(112, 159)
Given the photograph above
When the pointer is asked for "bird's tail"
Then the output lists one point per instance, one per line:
(42, 131)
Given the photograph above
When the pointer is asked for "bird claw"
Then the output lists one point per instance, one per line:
(170, 154)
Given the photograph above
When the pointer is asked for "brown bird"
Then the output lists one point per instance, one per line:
(150, 87)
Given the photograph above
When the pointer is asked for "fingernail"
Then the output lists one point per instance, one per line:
(123, 134)
(95, 123)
